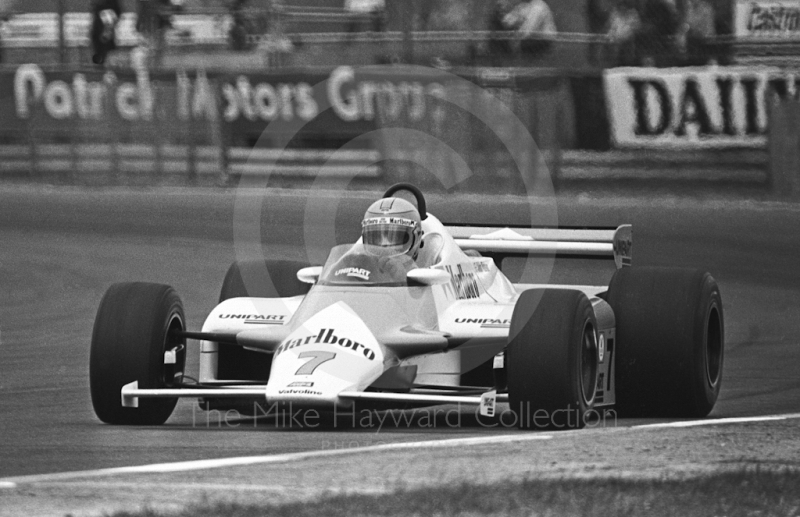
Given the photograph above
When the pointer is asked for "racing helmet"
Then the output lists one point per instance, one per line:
(392, 226)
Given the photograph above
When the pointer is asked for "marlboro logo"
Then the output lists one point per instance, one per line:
(328, 337)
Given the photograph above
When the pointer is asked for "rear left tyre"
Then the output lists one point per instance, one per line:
(552, 359)
(252, 279)
(263, 279)
(256, 279)
(132, 333)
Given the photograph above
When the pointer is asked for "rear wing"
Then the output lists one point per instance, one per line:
(499, 242)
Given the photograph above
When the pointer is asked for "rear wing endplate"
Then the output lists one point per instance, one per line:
(613, 243)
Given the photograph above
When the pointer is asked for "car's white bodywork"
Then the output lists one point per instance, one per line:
(409, 343)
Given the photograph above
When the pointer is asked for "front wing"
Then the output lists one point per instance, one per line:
(131, 393)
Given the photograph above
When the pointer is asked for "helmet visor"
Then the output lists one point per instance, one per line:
(388, 238)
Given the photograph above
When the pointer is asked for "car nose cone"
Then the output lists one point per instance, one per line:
(333, 351)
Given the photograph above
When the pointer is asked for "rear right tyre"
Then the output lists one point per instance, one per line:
(670, 341)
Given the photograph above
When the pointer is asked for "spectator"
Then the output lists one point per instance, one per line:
(497, 43)
(269, 26)
(238, 31)
(449, 16)
(598, 13)
(260, 28)
(154, 16)
(4, 17)
(374, 9)
(723, 50)
(623, 25)
(153, 20)
(105, 16)
(698, 32)
(533, 21)
(655, 40)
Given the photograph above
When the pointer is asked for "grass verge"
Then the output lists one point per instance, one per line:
(746, 492)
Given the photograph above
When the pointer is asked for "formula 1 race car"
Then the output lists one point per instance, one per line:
(418, 313)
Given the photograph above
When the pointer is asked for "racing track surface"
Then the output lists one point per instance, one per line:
(61, 247)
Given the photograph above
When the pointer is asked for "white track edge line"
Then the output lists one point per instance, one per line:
(12, 482)
(181, 466)
(719, 421)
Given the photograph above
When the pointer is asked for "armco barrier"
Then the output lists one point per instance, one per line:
(784, 147)
(735, 166)
(777, 168)
(303, 162)
(109, 158)
(209, 161)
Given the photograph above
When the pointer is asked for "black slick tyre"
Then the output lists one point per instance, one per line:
(670, 341)
(130, 337)
(552, 359)
(263, 279)
(256, 279)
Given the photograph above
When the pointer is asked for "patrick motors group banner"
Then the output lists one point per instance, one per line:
(693, 108)
(340, 102)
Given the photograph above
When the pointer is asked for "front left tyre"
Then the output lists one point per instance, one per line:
(133, 331)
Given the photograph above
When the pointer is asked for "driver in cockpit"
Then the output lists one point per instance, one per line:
(392, 226)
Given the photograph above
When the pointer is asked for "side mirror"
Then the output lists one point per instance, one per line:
(428, 276)
(309, 275)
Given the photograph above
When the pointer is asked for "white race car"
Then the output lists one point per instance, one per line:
(443, 326)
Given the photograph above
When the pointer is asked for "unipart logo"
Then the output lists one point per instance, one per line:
(354, 271)
(486, 322)
(328, 337)
(256, 319)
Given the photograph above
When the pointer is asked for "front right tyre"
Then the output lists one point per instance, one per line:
(133, 331)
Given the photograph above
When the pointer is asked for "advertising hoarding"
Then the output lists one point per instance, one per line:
(693, 108)
(778, 19)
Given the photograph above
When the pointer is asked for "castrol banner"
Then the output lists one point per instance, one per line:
(693, 108)
(778, 19)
